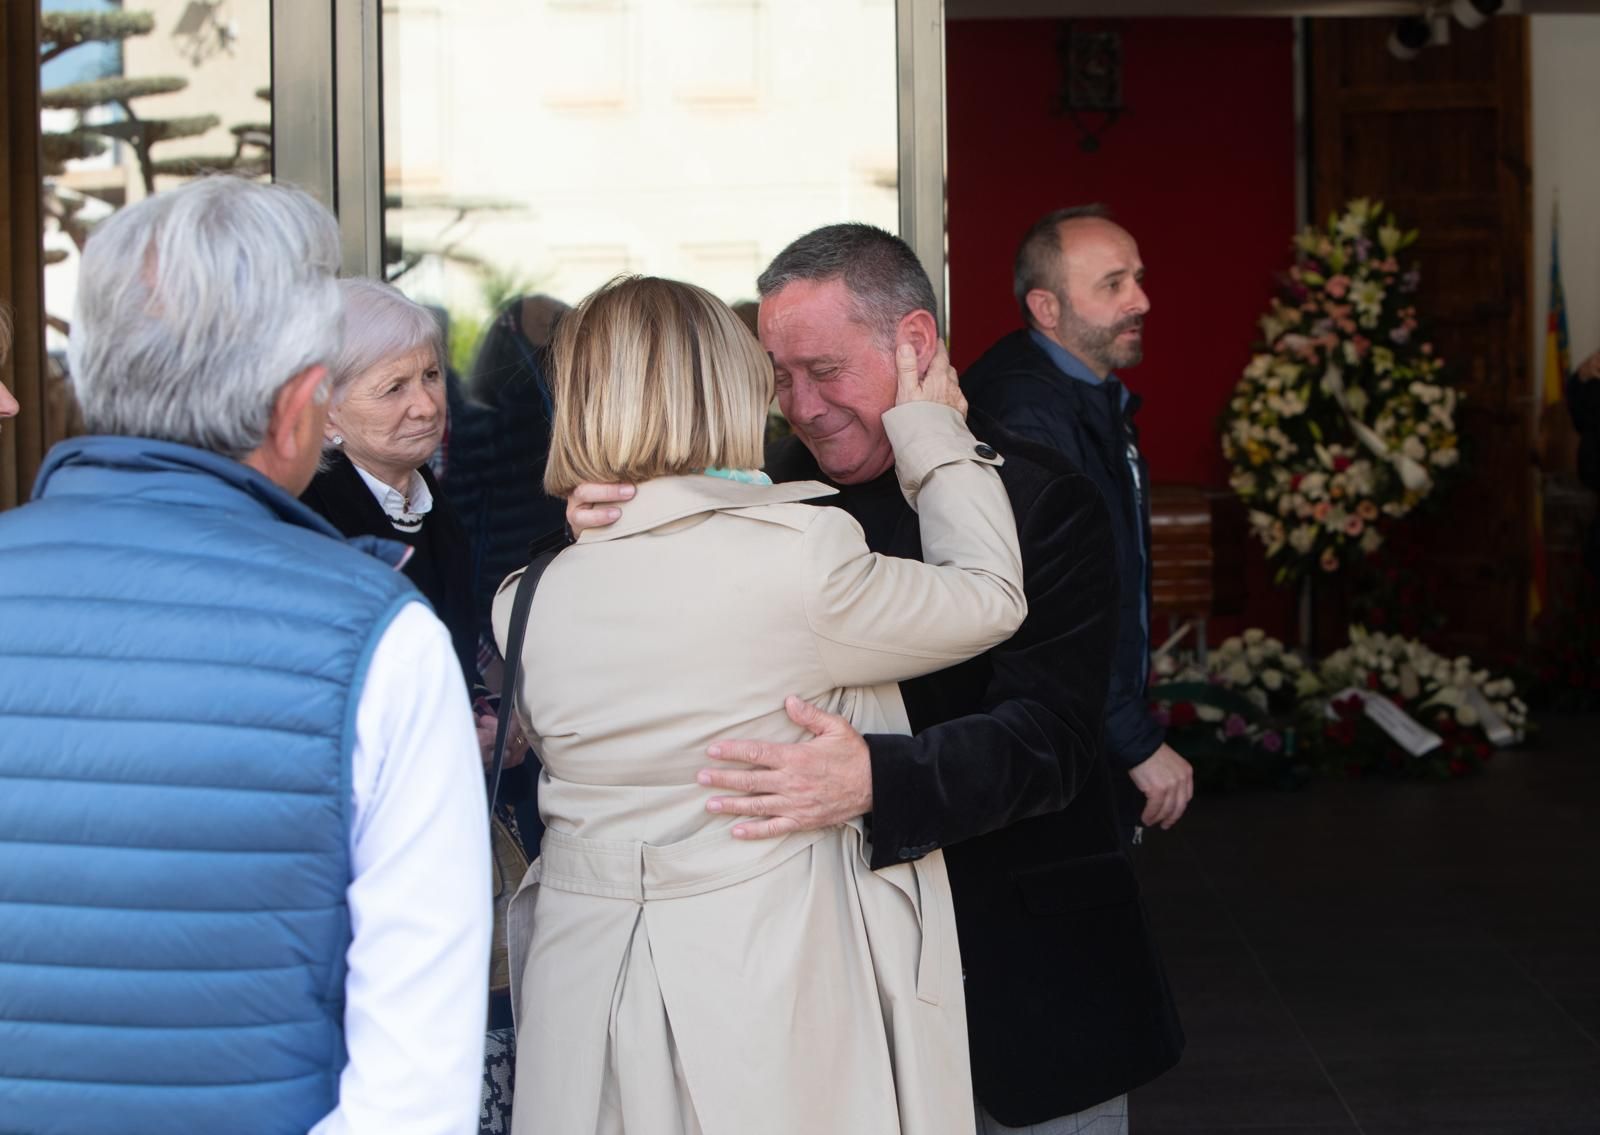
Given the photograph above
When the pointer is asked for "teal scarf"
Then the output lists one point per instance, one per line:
(743, 476)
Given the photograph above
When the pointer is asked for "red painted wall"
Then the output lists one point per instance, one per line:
(1200, 168)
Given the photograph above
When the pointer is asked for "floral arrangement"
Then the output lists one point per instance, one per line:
(1462, 704)
(1255, 712)
(1236, 718)
(1342, 421)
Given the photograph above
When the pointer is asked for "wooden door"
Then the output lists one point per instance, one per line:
(23, 440)
(1444, 140)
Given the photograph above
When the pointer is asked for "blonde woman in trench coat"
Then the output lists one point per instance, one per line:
(670, 979)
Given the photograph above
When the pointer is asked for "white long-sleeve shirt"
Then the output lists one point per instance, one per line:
(420, 905)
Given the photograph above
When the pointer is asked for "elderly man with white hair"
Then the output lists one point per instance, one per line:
(244, 875)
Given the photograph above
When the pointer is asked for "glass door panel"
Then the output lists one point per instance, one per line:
(539, 149)
(134, 99)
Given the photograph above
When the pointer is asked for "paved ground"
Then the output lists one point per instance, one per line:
(1388, 958)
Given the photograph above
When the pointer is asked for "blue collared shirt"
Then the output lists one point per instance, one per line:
(1073, 367)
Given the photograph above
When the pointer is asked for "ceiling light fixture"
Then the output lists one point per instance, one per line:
(1409, 37)
(1474, 13)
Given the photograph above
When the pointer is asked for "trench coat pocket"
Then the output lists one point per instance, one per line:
(519, 934)
(927, 888)
(1081, 884)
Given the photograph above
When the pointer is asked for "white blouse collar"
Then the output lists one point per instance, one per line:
(404, 510)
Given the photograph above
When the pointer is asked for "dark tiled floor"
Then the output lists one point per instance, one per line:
(1386, 958)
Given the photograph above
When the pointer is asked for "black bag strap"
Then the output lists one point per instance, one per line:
(543, 553)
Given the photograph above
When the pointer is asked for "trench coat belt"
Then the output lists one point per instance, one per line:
(623, 869)
(643, 872)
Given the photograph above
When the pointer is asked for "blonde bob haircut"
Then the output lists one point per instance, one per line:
(653, 378)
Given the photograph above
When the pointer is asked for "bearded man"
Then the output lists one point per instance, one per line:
(1079, 283)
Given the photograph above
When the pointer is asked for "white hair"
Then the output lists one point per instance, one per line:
(380, 322)
(196, 305)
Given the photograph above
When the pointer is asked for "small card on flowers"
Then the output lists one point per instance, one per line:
(1403, 729)
(1495, 727)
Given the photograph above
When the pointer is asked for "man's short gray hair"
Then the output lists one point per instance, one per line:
(196, 305)
(884, 276)
(380, 322)
(1038, 263)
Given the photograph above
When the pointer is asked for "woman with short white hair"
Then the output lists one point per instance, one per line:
(386, 420)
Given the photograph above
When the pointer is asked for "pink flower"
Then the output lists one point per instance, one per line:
(1234, 726)
(1272, 741)
(1330, 560)
(1320, 511)
(1362, 345)
(1353, 526)
(1338, 286)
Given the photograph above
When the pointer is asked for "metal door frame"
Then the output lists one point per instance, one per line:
(327, 121)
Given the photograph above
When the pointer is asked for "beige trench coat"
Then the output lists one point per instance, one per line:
(667, 978)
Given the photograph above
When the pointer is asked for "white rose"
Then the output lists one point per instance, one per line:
(1237, 674)
(1466, 716)
(1272, 679)
(1208, 713)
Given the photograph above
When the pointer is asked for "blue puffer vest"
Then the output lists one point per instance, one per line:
(182, 649)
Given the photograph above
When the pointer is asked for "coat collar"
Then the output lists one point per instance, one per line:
(666, 499)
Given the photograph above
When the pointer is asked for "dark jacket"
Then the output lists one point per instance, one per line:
(1017, 385)
(341, 497)
(1067, 1004)
(497, 454)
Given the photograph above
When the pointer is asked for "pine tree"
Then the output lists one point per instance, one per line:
(61, 32)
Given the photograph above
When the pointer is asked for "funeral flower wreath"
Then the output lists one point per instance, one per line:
(1343, 421)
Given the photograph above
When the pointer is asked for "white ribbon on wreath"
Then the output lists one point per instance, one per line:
(1410, 471)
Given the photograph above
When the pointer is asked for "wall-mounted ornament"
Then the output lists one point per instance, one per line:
(1091, 81)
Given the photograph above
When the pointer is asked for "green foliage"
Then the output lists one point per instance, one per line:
(502, 285)
(197, 165)
(466, 335)
(62, 148)
(149, 131)
(60, 32)
(97, 92)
